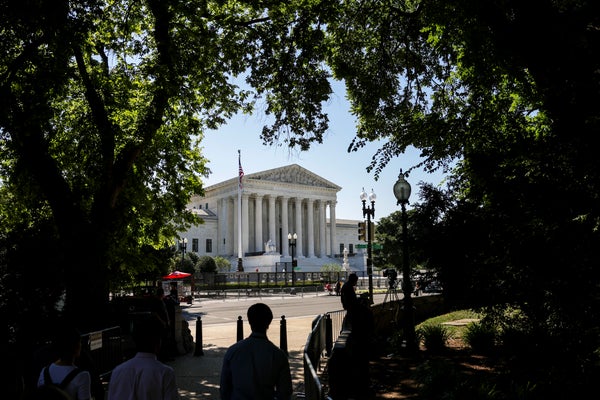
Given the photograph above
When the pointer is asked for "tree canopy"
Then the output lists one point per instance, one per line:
(103, 105)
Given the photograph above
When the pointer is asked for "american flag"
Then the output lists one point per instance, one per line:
(241, 170)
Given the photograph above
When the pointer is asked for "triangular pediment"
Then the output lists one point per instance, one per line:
(292, 174)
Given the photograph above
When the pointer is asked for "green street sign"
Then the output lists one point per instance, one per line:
(375, 246)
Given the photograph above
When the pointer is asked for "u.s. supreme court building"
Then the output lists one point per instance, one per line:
(275, 203)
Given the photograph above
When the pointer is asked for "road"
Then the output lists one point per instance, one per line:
(224, 311)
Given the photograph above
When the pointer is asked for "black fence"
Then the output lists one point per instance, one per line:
(219, 281)
(104, 350)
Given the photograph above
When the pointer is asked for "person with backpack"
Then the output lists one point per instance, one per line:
(63, 375)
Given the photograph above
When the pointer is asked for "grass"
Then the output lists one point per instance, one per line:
(455, 331)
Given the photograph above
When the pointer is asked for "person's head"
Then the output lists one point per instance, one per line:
(147, 334)
(353, 278)
(259, 317)
(67, 342)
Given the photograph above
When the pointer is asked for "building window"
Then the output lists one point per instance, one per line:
(209, 245)
(342, 248)
(195, 245)
(206, 206)
(351, 248)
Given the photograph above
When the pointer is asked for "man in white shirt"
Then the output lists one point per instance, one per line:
(254, 368)
(143, 376)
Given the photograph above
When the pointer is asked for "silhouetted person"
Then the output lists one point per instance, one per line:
(359, 320)
(254, 368)
(143, 376)
(349, 299)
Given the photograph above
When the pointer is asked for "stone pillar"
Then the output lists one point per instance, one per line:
(272, 225)
(284, 227)
(245, 224)
(322, 225)
(223, 226)
(258, 229)
(332, 224)
(298, 231)
(235, 230)
(231, 213)
(310, 235)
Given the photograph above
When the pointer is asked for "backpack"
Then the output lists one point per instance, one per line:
(59, 389)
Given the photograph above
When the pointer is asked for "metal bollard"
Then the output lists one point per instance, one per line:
(283, 335)
(240, 328)
(198, 349)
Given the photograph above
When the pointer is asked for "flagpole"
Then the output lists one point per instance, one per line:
(239, 216)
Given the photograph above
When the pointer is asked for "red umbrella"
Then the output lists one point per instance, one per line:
(177, 275)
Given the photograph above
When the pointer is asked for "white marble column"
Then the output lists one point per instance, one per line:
(332, 224)
(285, 248)
(310, 235)
(230, 241)
(258, 229)
(272, 226)
(298, 230)
(223, 226)
(235, 230)
(322, 224)
(245, 224)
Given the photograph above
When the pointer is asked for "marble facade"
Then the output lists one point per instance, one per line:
(275, 202)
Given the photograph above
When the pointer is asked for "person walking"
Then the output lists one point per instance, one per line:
(143, 376)
(75, 382)
(255, 368)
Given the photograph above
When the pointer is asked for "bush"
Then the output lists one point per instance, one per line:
(434, 337)
(207, 264)
(480, 337)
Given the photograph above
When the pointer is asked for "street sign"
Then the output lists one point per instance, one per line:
(376, 246)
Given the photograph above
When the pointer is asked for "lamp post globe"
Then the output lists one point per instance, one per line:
(401, 189)
(402, 194)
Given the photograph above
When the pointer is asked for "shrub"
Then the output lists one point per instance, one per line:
(207, 264)
(480, 337)
(434, 337)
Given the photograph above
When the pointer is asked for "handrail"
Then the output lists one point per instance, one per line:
(325, 331)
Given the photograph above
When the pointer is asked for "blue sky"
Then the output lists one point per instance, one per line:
(329, 160)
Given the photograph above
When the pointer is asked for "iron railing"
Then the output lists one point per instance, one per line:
(325, 331)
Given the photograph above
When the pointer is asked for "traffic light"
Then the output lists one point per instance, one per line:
(372, 232)
(362, 232)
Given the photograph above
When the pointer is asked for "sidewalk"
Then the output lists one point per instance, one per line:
(198, 376)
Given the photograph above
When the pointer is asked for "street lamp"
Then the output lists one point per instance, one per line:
(369, 211)
(182, 248)
(292, 243)
(402, 193)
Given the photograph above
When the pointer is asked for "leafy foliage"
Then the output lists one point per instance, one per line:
(434, 337)
(207, 264)
(103, 107)
(223, 264)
